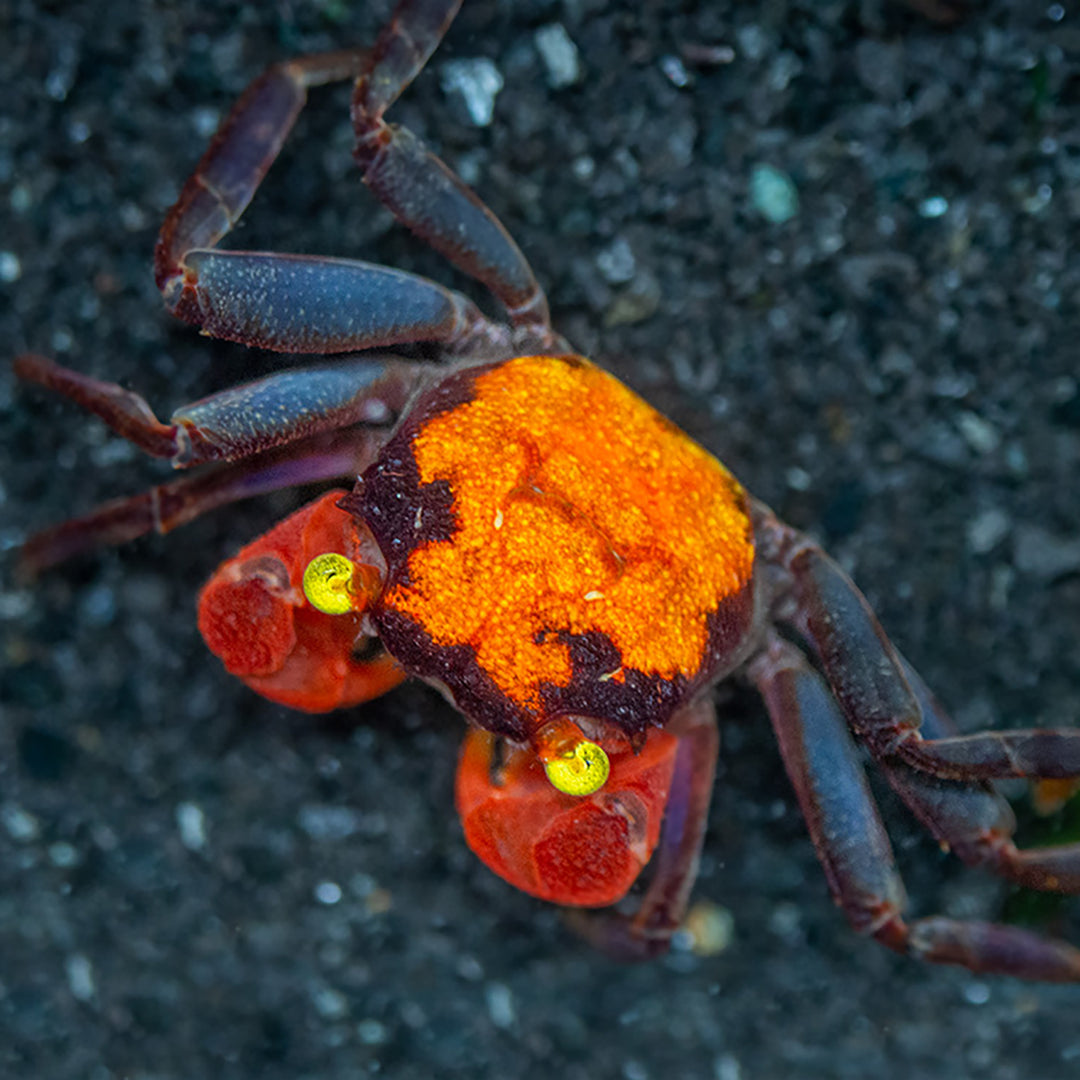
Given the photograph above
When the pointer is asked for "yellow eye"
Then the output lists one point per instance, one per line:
(328, 584)
(579, 769)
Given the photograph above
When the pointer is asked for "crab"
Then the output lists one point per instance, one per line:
(528, 536)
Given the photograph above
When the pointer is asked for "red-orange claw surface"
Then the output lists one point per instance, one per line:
(554, 545)
(254, 616)
(581, 851)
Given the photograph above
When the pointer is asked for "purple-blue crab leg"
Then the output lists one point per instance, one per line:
(327, 456)
(288, 303)
(243, 420)
(822, 760)
(674, 865)
(867, 676)
(972, 819)
(315, 304)
(420, 191)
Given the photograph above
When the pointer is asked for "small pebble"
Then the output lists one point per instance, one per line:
(978, 433)
(191, 823)
(371, 1032)
(330, 1004)
(470, 969)
(80, 977)
(675, 71)
(329, 822)
(987, 529)
(21, 199)
(205, 121)
(726, 1067)
(753, 42)
(636, 303)
(1044, 555)
(798, 479)
(933, 207)
(10, 267)
(773, 194)
(98, 605)
(559, 54)
(616, 262)
(710, 928)
(20, 824)
(1037, 201)
(785, 921)
(328, 892)
(500, 1005)
(477, 83)
(63, 855)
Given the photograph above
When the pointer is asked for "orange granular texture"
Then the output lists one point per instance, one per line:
(580, 508)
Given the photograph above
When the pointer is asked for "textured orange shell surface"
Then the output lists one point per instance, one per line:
(578, 510)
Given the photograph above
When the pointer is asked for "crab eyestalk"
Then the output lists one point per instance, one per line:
(335, 585)
(573, 764)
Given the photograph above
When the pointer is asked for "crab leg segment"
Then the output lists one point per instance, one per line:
(420, 191)
(646, 933)
(822, 761)
(288, 303)
(310, 304)
(972, 819)
(165, 507)
(243, 420)
(867, 676)
(240, 155)
(865, 672)
(314, 304)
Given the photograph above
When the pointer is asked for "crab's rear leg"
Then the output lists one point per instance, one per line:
(972, 819)
(866, 675)
(312, 304)
(823, 763)
(330, 456)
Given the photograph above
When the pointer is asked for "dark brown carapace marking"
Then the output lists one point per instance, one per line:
(555, 545)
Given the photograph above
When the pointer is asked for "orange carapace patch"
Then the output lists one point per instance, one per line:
(577, 509)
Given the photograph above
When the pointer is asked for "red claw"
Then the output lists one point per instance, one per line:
(255, 618)
(584, 851)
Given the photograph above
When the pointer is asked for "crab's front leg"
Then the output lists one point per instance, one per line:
(822, 761)
(284, 302)
(419, 189)
(315, 304)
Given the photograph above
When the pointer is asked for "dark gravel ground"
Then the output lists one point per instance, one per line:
(894, 369)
